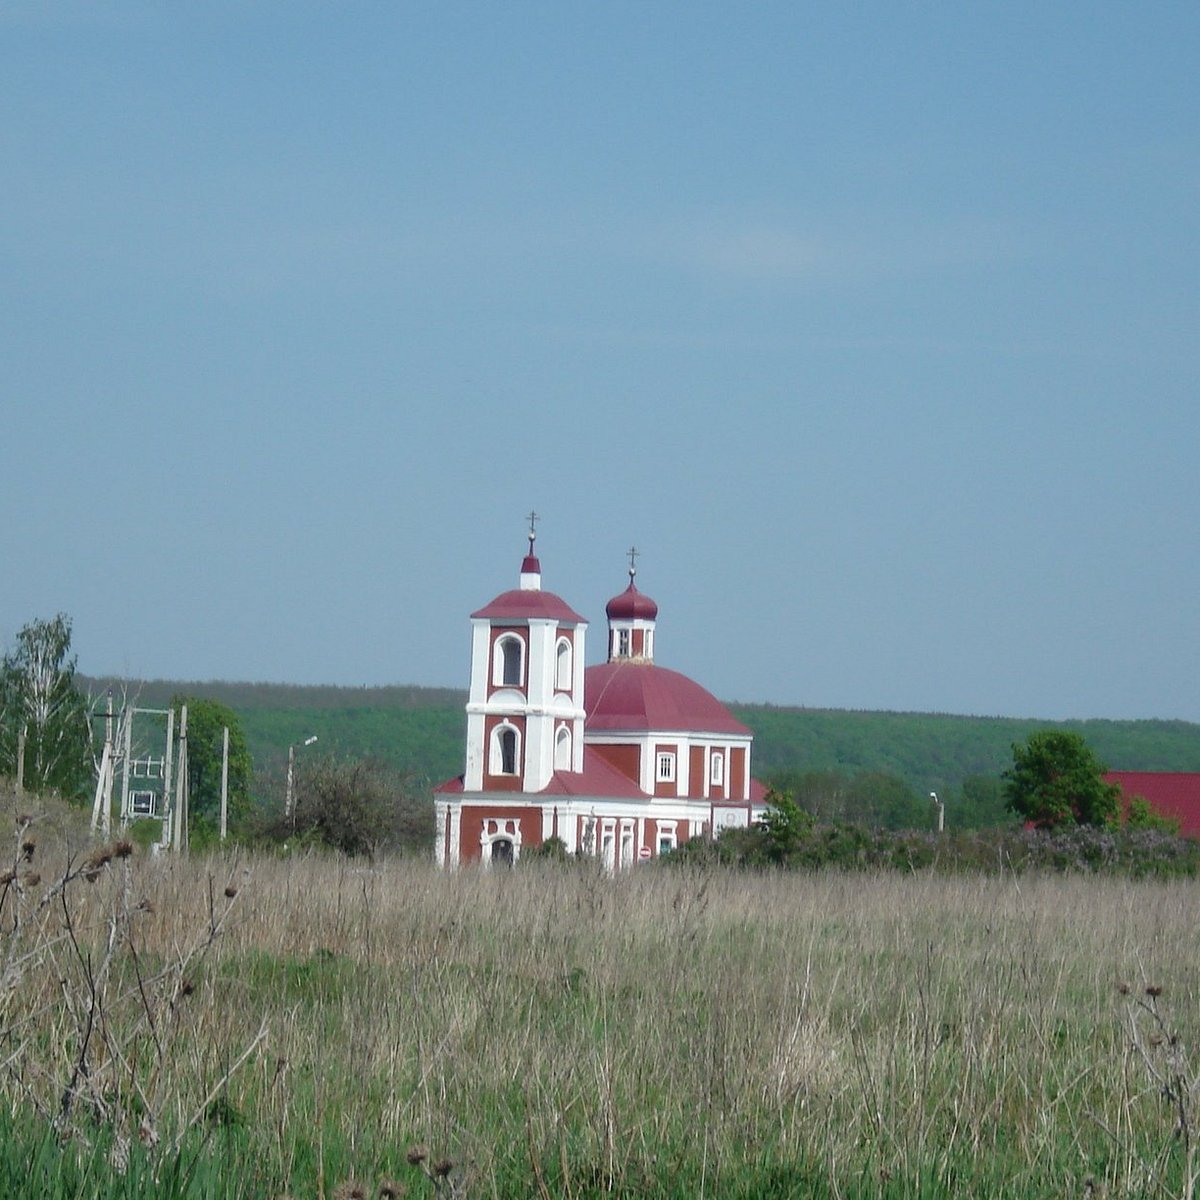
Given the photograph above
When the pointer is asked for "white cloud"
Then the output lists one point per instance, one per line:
(843, 252)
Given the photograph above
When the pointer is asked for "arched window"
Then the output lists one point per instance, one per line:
(562, 750)
(508, 751)
(508, 666)
(505, 752)
(562, 666)
(717, 773)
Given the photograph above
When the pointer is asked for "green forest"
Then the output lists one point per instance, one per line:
(877, 767)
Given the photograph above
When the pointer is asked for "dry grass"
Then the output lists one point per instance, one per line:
(555, 1032)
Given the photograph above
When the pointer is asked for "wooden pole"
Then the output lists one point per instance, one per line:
(225, 783)
(165, 837)
(180, 818)
(126, 755)
(289, 794)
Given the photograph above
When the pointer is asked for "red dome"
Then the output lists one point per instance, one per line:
(522, 603)
(631, 605)
(635, 697)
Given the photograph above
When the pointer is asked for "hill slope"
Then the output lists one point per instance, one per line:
(421, 730)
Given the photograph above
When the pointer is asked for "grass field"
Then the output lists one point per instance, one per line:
(267, 1027)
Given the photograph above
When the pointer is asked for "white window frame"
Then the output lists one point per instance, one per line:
(496, 751)
(143, 804)
(667, 837)
(664, 766)
(498, 660)
(626, 851)
(608, 844)
(564, 663)
(562, 758)
(716, 768)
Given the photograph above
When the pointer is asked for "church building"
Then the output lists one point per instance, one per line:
(624, 760)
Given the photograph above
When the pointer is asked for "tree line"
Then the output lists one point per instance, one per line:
(51, 732)
(348, 797)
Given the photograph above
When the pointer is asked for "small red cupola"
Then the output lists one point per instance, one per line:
(531, 569)
(631, 618)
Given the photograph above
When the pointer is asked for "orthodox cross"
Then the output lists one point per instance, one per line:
(533, 520)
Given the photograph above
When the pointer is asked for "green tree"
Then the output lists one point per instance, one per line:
(357, 807)
(1139, 815)
(785, 825)
(981, 803)
(39, 697)
(207, 722)
(1056, 780)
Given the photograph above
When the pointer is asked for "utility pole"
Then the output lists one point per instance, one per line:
(168, 757)
(179, 832)
(103, 801)
(289, 788)
(225, 783)
(127, 740)
(289, 794)
(941, 811)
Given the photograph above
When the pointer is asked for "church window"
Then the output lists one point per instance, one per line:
(626, 845)
(509, 662)
(562, 750)
(623, 643)
(717, 768)
(666, 768)
(666, 837)
(562, 670)
(504, 754)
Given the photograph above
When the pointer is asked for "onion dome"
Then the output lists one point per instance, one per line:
(631, 605)
(631, 618)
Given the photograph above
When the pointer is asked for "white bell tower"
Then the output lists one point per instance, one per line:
(525, 709)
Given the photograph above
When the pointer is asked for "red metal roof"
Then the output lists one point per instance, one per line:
(1174, 794)
(638, 697)
(631, 604)
(523, 603)
(1171, 793)
(598, 778)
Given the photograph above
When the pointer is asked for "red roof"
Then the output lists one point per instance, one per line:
(638, 697)
(631, 604)
(522, 603)
(1174, 794)
(598, 778)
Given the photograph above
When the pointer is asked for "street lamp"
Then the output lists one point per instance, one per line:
(289, 796)
(941, 811)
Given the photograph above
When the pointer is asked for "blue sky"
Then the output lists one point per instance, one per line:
(874, 327)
